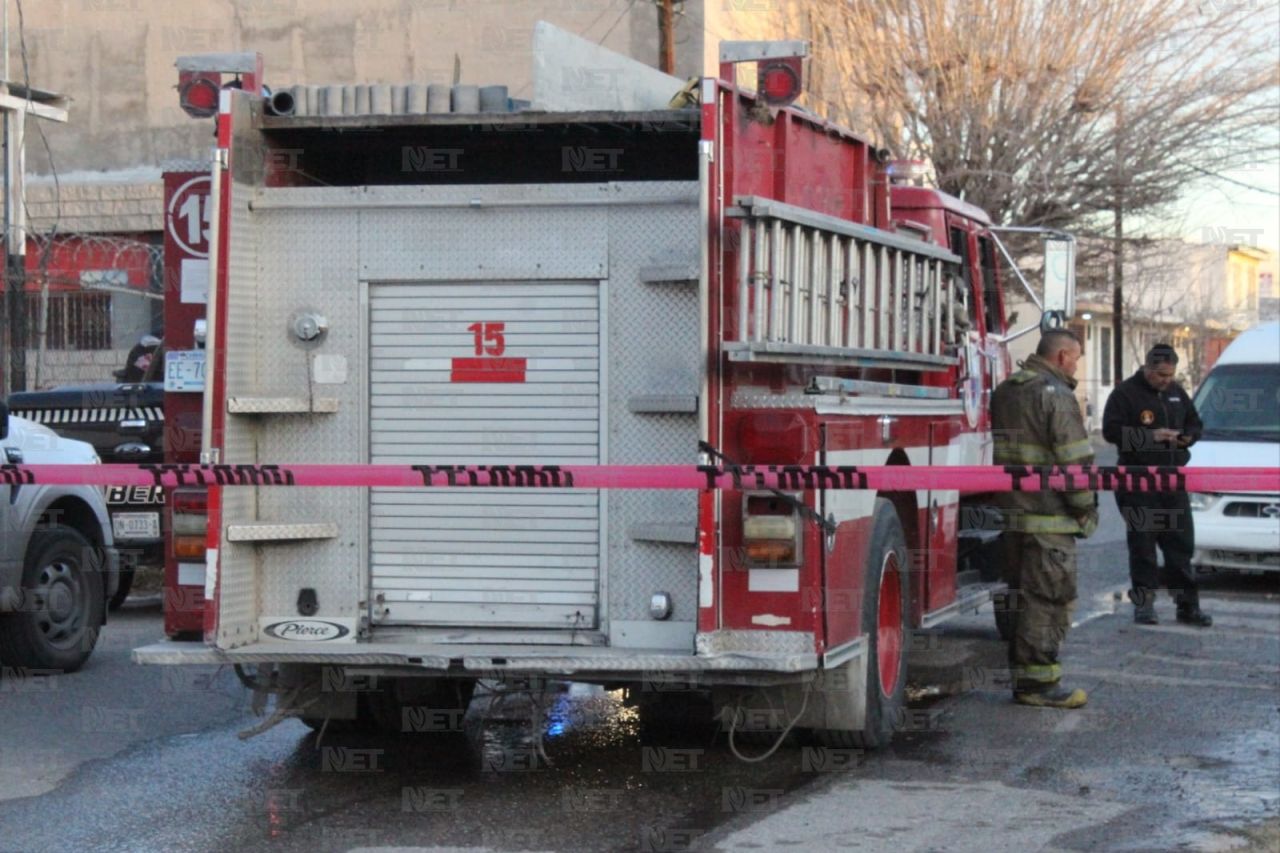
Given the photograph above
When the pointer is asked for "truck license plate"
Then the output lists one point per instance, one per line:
(136, 525)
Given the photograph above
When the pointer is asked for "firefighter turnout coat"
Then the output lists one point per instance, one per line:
(1036, 421)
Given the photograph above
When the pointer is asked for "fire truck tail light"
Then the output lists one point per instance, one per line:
(190, 500)
(187, 524)
(190, 521)
(770, 532)
(188, 546)
(769, 527)
(769, 552)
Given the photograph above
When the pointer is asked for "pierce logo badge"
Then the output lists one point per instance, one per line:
(306, 630)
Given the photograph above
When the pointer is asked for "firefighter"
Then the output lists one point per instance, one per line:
(1152, 421)
(1036, 420)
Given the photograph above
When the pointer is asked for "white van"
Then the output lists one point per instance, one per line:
(1239, 403)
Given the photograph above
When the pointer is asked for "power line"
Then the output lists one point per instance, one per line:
(614, 25)
(1241, 184)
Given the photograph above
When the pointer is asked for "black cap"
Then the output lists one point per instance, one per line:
(1161, 354)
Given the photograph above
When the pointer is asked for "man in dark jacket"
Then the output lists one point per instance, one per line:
(1152, 420)
(1036, 421)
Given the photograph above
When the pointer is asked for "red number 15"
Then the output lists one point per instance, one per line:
(489, 338)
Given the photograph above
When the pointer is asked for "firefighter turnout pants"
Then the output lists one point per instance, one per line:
(1161, 519)
(1040, 569)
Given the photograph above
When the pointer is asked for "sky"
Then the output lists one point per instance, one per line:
(1220, 212)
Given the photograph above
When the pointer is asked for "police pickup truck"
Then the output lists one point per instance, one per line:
(124, 422)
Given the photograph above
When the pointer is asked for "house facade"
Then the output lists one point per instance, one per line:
(1195, 296)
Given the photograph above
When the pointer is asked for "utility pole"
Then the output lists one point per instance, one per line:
(17, 100)
(667, 36)
(1117, 294)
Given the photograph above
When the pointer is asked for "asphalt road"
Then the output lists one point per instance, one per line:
(1179, 747)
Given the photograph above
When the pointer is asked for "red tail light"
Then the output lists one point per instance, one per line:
(190, 500)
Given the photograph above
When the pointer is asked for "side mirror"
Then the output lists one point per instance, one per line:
(4, 420)
(1060, 276)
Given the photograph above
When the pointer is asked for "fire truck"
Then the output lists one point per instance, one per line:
(732, 281)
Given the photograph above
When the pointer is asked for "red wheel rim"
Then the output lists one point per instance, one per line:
(889, 629)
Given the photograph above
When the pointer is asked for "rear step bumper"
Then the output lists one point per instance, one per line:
(490, 661)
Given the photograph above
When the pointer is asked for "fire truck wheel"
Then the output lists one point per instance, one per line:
(448, 698)
(884, 617)
(122, 591)
(62, 603)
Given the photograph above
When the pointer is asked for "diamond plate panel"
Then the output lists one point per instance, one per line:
(307, 263)
(653, 350)
(755, 642)
(279, 532)
(471, 230)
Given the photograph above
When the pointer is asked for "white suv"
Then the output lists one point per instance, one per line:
(58, 562)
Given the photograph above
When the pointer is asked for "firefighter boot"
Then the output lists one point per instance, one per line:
(1052, 696)
(1189, 612)
(1144, 606)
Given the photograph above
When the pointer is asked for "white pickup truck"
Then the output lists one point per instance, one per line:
(58, 561)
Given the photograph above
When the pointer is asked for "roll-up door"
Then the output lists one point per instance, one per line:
(485, 373)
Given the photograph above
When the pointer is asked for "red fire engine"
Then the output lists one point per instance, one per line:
(734, 282)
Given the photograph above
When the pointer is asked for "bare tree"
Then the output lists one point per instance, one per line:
(1050, 113)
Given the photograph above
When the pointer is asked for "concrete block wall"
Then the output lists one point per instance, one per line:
(67, 367)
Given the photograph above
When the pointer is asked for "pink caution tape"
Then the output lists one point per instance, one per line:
(786, 477)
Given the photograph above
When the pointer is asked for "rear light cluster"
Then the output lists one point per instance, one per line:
(770, 531)
(190, 523)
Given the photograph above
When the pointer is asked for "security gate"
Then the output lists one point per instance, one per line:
(484, 373)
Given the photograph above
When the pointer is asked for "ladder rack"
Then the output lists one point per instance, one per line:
(818, 289)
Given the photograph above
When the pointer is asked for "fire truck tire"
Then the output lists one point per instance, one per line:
(386, 705)
(122, 591)
(884, 613)
(63, 603)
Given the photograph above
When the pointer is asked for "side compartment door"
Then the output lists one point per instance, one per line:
(485, 373)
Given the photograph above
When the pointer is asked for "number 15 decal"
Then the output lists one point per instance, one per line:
(489, 338)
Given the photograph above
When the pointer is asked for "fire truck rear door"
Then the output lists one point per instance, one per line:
(485, 373)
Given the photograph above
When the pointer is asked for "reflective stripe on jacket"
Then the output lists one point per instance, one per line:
(1036, 421)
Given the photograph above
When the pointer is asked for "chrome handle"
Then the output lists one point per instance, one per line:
(886, 427)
